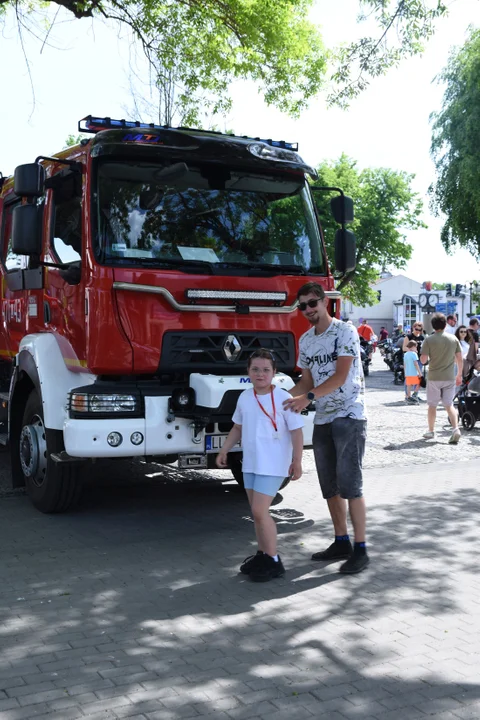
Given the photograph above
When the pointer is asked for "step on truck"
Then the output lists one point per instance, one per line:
(139, 271)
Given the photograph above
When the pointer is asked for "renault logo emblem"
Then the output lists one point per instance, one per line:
(231, 348)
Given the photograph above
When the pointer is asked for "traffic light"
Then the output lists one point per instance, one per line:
(448, 288)
(379, 295)
(458, 289)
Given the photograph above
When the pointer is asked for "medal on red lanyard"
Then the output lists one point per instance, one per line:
(273, 419)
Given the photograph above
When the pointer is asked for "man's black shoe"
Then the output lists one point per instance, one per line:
(338, 550)
(267, 569)
(355, 563)
(250, 562)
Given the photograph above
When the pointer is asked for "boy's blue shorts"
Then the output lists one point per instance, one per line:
(265, 484)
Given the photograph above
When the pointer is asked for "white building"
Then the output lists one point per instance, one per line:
(392, 289)
(401, 303)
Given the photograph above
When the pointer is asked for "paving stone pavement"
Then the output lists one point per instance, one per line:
(132, 607)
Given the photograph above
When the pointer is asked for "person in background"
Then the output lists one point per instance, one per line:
(444, 352)
(463, 339)
(412, 373)
(365, 331)
(473, 326)
(451, 324)
(383, 335)
(418, 337)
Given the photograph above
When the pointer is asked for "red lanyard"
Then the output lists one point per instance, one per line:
(272, 419)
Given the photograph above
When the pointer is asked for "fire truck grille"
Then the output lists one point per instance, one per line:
(223, 352)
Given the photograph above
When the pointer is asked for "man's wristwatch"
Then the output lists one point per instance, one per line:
(311, 396)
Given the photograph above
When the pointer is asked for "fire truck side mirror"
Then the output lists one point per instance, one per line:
(345, 251)
(26, 235)
(29, 180)
(342, 209)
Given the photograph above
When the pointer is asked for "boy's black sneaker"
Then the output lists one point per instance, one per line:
(250, 562)
(338, 550)
(355, 563)
(267, 569)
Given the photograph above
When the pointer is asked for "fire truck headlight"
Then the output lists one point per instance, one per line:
(114, 439)
(83, 404)
(136, 438)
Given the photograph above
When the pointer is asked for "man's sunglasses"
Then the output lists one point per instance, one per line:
(309, 303)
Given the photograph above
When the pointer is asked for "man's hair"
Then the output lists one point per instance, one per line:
(311, 288)
(451, 317)
(262, 354)
(412, 343)
(473, 321)
(439, 321)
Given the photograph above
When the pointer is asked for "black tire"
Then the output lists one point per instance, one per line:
(235, 463)
(468, 420)
(398, 380)
(52, 487)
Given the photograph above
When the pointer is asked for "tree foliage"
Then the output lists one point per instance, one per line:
(403, 27)
(198, 47)
(385, 207)
(456, 150)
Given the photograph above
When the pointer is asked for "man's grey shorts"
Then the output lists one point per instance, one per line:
(339, 447)
(443, 390)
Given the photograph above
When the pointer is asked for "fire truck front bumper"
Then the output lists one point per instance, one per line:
(190, 422)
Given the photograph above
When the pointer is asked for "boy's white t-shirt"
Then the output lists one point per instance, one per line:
(262, 453)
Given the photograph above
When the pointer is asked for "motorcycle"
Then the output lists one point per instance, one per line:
(398, 369)
(366, 350)
(386, 351)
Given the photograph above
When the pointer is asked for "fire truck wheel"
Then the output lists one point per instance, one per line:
(52, 487)
(235, 463)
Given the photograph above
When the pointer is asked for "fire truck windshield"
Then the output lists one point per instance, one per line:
(195, 216)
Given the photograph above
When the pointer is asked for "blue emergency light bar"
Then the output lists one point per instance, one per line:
(94, 124)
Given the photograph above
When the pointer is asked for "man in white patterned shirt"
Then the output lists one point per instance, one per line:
(332, 377)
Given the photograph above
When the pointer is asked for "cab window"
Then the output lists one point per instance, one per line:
(67, 215)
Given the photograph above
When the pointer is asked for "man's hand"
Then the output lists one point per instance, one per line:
(295, 470)
(458, 379)
(296, 404)
(221, 460)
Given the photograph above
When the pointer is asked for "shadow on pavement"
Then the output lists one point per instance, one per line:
(137, 596)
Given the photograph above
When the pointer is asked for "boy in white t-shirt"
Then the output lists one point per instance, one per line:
(272, 443)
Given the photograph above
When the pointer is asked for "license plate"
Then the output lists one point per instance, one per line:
(214, 443)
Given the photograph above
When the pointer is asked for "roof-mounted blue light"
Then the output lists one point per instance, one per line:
(94, 124)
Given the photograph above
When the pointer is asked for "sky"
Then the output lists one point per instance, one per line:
(83, 69)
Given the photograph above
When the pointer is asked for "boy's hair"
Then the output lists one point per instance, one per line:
(262, 354)
(412, 343)
(311, 287)
(439, 321)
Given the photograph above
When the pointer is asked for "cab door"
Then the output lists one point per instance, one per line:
(64, 295)
(13, 294)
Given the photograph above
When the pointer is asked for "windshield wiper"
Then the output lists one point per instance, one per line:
(273, 269)
(183, 265)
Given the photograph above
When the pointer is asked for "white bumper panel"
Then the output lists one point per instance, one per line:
(88, 438)
(210, 389)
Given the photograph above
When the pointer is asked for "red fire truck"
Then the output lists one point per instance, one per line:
(139, 271)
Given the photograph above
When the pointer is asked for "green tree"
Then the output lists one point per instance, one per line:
(198, 48)
(456, 150)
(385, 207)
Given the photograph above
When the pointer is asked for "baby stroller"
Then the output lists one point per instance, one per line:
(468, 400)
